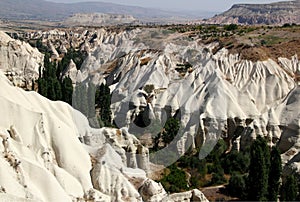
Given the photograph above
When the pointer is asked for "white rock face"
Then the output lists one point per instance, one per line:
(72, 72)
(42, 158)
(39, 144)
(290, 121)
(19, 61)
(213, 95)
(40, 154)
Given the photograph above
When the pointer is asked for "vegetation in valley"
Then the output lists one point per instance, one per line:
(86, 97)
(254, 173)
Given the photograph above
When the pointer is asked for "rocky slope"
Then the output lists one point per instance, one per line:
(156, 73)
(270, 14)
(50, 153)
(19, 61)
(213, 94)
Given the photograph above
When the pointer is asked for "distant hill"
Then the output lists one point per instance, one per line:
(45, 10)
(274, 13)
(98, 19)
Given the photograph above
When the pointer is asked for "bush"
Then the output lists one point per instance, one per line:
(149, 88)
(237, 186)
(175, 181)
(231, 27)
(289, 189)
(236, 162)
(217, 179)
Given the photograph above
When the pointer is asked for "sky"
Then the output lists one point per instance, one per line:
(179, 5)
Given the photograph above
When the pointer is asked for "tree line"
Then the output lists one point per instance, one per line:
(255, 172)
(263, 180)
(85, 96)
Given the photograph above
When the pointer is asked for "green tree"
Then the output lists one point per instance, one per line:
(237, 186)
(57, 89)
(175, 181)
(289, 189)
(236, 161)
(231, 27)
(257, 181)
(67, 90)
(103, 99)
(170, 130)
(48, 83)
(274, 175)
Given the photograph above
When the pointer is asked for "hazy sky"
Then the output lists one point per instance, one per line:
(204, 5)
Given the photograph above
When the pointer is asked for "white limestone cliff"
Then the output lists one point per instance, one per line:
(48, 152)
(212, 94)
(42, 158)
(19, 61)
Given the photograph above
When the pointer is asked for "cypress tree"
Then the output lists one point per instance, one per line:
(57, 89)
(50, 89)
(42, 87)
(103, 103)
(257, 181)
(67, 90)
(274, 175)
(171, 129)
(237, 186)
(289, 189)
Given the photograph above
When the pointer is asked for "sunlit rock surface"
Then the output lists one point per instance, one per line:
(48, 152)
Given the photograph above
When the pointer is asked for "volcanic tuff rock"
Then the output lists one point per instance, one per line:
(48, 152)
(274, 14)
(19, 61)
(214, 95)
(156, 73)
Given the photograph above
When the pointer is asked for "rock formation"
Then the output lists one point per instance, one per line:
(43, 155)
(155, 74)
(213, 94)
(19, 61)
(252, 14)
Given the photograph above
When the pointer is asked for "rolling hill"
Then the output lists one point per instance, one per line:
(45, 10)
(277, 13)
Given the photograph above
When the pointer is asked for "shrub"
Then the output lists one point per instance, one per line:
(237, 186)
(175, 181)
(231, 27)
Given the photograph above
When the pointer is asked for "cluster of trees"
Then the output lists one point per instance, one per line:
(103, 99)
(175, 181)
(52, 85)
(86, 96)
(255, 173)
(168, 133)
(262, 181)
